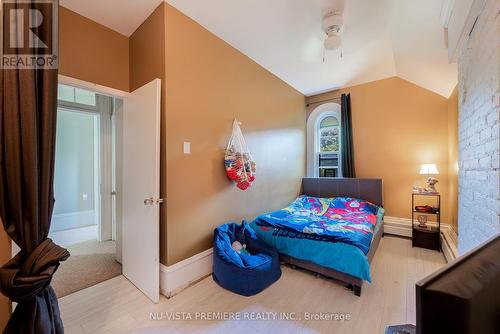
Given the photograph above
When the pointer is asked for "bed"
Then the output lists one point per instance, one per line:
(345, 260)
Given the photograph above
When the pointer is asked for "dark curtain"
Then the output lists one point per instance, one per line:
(346, 142)
(28, 102)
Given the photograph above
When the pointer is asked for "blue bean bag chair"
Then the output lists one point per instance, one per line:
(244, 274)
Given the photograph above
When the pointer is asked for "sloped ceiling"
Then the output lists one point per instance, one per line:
(123, 16)
(381, 38)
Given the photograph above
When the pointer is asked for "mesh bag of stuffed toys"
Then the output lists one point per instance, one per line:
(240, 166)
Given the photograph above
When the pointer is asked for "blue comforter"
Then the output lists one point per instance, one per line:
(342, 257)
(341, 219)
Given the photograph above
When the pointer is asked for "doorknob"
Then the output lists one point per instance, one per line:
(151, 201)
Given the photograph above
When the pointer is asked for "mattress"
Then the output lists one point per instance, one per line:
(339, 256)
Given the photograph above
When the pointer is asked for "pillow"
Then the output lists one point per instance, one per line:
(354, 204)
(316, 204)
(321, 204)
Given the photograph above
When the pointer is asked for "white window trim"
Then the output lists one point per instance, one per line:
(91, 86)
(313, 122)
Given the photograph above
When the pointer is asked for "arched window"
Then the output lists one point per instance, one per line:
(323, 141)
(329, 129)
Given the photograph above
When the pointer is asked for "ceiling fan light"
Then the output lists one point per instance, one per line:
(332, 21)
(333, 42)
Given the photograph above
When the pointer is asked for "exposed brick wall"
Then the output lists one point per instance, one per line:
(479, 133)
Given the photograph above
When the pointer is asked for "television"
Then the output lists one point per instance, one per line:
(464, 296)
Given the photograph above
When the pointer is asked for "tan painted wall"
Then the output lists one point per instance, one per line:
(147, 62)
(209, 83)
(147, 50)
(453, 159)
(92, 52)
(398, 126)
(206, 84)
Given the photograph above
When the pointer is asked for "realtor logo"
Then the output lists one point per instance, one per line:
(29, 34)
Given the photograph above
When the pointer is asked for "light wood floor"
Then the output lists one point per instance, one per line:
(116, 306)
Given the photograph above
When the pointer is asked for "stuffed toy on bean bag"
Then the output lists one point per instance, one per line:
(246, 272)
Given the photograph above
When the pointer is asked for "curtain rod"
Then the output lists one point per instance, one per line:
(327, 100)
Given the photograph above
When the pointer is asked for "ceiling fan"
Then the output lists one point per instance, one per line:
(332, 28)
(328, 36)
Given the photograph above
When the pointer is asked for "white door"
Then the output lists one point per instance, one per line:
(141, 188)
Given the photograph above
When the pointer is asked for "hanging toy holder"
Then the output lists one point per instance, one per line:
(240, 166)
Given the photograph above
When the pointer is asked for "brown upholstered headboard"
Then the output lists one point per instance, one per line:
(368, 189)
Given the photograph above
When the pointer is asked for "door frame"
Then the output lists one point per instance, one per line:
(114, 93)
(103, 183)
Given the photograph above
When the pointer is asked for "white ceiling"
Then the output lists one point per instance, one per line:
(124, 16)
(381, 38)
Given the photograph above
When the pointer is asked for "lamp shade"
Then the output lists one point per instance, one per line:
(428, 169)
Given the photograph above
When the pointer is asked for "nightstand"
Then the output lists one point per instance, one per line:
(430, 236)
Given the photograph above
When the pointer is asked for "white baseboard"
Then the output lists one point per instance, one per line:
(397, 226)
(72, 220)
(402, 227)
(177, 277)
(67, 238)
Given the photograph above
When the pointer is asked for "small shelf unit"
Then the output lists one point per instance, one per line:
(430, 236)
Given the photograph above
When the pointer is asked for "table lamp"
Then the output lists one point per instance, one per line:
(430, 169)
